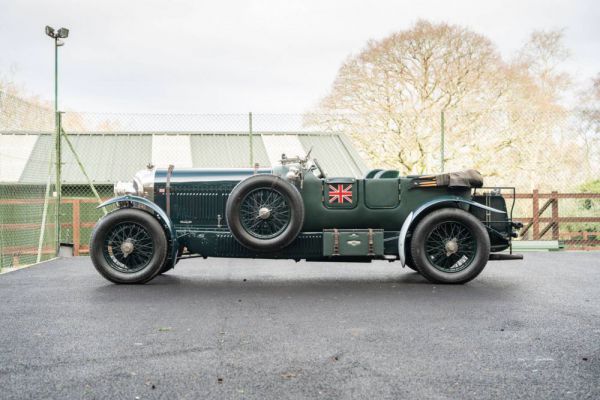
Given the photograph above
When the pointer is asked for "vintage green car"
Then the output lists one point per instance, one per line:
(442, 226)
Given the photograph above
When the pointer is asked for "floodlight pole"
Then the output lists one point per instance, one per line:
(62, 33)
(55, 75)
(57, 149)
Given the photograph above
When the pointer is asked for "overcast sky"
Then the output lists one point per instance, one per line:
(224, 56)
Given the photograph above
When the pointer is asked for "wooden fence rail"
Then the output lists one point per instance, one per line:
(537, 225)
(534, 222)
(76, 224)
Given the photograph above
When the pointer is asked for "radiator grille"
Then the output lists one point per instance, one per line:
(200, 204)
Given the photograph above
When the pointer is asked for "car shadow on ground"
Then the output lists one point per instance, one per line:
(274, 279)
(402, 285)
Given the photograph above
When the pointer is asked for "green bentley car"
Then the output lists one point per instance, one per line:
(446, 227)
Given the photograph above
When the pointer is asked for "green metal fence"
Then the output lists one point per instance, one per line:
(28, 202)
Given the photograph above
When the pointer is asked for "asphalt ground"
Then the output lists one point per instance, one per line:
(234, 328)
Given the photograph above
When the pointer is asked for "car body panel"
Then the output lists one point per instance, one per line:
(197, 198)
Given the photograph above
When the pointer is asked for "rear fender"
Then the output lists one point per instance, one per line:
(433, 204)
(157, 212)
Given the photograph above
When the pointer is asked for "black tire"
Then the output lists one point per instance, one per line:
(144, 262)
(442, 262)
(281, 222)
(409, 262)
(167, 266)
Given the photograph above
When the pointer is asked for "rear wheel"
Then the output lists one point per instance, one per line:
(450, 246)
(409, 262)
(128, 246)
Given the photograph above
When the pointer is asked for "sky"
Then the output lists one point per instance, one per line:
(184, 56)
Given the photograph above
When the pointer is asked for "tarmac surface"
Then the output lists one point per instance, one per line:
(236, 329)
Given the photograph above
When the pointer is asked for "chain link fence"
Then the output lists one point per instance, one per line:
(552, 159)
(549, 151)
(28, 202)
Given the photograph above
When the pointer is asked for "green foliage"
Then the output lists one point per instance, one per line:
(590, 187)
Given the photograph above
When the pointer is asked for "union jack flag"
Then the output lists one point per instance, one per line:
(340, 194)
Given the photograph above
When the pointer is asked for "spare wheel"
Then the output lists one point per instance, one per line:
(265, 212)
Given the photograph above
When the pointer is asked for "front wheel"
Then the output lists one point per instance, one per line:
(450, 246)
(128, 246)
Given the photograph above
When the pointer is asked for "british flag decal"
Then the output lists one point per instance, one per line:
(340, 194)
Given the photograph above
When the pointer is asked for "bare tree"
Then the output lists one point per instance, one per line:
(589, 121)
(542, 56)
(500, 117)
(20, 111)
(396, 86)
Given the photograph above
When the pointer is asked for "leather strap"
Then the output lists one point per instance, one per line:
(336, 242)
(168, 189)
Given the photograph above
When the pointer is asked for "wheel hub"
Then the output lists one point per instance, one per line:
(127, 247)
(451, 247)
(264, 213)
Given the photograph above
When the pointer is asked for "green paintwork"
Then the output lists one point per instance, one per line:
(382, 193)
(382, 203)
(187, 176)
(361, 216)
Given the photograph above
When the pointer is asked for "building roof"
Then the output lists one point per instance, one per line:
(109, 157)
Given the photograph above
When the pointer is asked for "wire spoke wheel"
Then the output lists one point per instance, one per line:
(450, 246)
(128, 247)
(265, 213)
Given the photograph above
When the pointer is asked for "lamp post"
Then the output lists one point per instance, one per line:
(62, 33)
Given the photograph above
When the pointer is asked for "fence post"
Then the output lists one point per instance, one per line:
(45, 210)
(536, 216)
(555, 228)
(251, 140)
(1, 232)
(443, 140)
(58, 151)
(76, 226)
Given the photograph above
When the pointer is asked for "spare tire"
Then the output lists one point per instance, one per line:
(265, 212)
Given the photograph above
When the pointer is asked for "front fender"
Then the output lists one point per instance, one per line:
(408, 222)
(159, 213)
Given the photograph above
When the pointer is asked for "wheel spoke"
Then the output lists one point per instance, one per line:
(450, 246)
(139, 241)
(255, 222)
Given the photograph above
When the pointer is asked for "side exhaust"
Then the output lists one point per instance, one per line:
(502, 256)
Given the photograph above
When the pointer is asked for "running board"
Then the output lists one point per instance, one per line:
(502, 256)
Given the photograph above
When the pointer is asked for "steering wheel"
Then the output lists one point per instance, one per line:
(322, 173)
